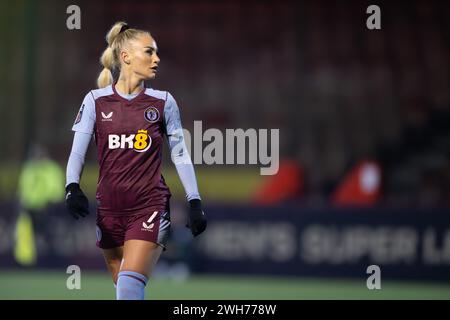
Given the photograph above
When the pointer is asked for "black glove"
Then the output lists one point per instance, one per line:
(196, 218)
(76, 202)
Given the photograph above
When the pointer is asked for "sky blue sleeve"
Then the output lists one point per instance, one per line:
(178, 151)
(85, 119)
(75, 164)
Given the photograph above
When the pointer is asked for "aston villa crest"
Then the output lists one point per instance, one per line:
(151, 114)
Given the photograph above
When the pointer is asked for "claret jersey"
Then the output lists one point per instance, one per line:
(129, 135)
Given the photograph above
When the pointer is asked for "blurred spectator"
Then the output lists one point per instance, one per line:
(41, 183)
(361, 186)
(287, 184)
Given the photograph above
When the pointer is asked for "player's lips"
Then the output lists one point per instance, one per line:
(155, 68)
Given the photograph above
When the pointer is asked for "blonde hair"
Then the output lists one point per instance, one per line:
(117, 37)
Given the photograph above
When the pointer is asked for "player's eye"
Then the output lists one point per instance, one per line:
(150, 51)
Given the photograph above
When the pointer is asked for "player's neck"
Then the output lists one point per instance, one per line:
(129, 85)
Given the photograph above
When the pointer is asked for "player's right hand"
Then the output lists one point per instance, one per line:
(76, 202)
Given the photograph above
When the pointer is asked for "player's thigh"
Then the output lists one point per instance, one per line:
(140, 256)
(113, 258)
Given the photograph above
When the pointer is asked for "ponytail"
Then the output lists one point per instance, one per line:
(109, 58)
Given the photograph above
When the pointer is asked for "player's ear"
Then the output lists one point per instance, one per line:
(125, 57)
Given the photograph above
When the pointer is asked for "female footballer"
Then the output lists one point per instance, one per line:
(129, 122)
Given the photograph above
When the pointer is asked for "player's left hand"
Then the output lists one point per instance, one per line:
(196, 218)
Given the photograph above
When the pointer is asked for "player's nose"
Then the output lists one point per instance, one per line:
(156, 59)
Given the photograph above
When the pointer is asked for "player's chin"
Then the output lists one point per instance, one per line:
(151, 76)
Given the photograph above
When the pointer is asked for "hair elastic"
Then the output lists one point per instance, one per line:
(124, 27)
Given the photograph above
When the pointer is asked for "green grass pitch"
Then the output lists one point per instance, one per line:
(49, 285)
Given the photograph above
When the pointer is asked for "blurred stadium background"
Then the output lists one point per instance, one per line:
(365, 147)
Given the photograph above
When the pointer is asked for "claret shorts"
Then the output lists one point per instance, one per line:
(145, 224)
